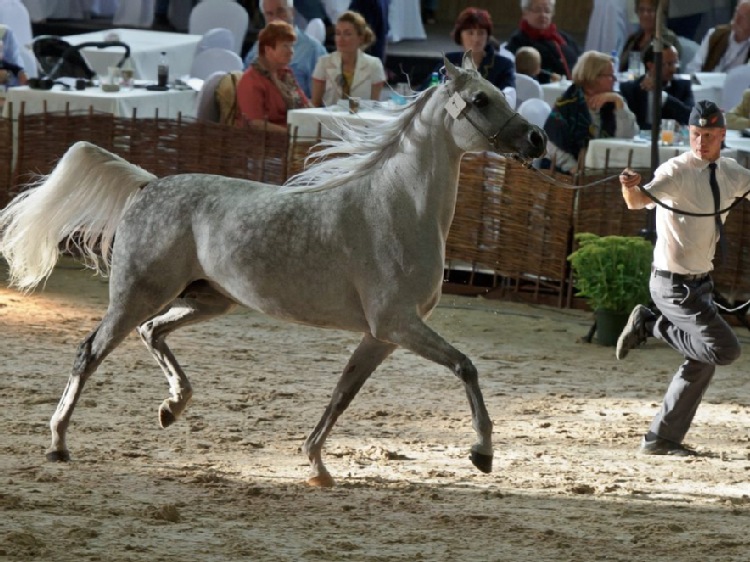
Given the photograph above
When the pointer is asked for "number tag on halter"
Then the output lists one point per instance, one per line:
(455, 106)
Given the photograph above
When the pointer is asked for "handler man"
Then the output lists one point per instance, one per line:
(698, 181)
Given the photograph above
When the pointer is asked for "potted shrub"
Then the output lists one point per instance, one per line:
(612, 273)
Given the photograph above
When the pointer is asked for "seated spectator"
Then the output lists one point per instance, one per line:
(473, 32)
(11, 63)
(738, 118)
(348, 71)
(375, 13)
(307, 50)
(268, 89)
(676, 95)
(725, 46)
(529, 62)
(588, 109)
(642, 38)
(558, 49)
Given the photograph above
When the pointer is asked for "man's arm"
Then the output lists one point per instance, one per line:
(631, 192)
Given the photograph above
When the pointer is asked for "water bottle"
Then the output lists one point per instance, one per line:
(162, 72)
(616, 61)
(435, 79)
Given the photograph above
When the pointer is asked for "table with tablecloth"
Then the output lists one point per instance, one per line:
(146, 47)
(145, 103)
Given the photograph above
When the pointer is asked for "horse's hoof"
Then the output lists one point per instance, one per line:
(482, 462)
(322, 481)
(58, 456)
(166, 418)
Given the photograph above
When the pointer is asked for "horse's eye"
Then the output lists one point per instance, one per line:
(480, 99)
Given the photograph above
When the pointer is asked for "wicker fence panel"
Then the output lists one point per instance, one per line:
(6, 157)
(512, 224)
(732, 273)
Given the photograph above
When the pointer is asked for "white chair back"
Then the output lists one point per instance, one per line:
(218, 38)
(527, 88)
(688, 48)
(535, 111)
(317, 29)
(213, 60)
(738, 80)
(29, 62)
(220, 13)
(206, 108)
(15, 15)
(135, 13)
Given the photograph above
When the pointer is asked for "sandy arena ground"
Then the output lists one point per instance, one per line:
(227, 481)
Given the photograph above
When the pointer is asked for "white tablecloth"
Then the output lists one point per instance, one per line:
(405, 21)
(120, 104)
(620, 150)
(145, 51)
(306, 121)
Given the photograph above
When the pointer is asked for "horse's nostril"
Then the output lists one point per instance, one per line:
(537, 139)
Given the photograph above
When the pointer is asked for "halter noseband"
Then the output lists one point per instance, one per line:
(458, 107)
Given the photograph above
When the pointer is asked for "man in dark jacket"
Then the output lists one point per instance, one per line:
(676, 96)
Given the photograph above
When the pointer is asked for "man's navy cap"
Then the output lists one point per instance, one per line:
(706, 114)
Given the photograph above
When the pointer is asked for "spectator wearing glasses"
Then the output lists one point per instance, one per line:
(641, 39)
(588, 109)
(676, 95)
(307, 50)
(348, 72)
(725, 46)
(558, 49)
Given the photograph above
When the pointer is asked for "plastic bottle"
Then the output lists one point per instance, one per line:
(162, 73)
(435, 79)
(616, 62)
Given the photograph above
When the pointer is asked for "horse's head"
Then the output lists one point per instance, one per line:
(484, 119)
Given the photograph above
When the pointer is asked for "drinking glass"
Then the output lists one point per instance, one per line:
(667, 131)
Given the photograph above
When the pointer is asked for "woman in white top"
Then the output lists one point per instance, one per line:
(348, 71)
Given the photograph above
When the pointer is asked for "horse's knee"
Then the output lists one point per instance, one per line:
(728, 354)
(146, 331)
(466, 371)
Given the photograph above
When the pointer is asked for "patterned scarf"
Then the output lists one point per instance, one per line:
(569, 125)
(286, 84)
(547, 34)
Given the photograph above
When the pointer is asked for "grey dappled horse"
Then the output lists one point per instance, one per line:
(371, 224)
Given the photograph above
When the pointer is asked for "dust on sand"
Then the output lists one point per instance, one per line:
(227, 481)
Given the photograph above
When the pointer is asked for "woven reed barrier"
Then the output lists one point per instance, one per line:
(512, 225)
(161, 146)
(6, 157)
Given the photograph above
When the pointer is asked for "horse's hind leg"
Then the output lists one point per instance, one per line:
(98, 344)
(416, 336)
(197, 303)
(369, 354)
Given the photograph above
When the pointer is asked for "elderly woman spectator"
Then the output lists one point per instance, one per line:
(738, 118)
(641, 38)
(558, 49)
(348, 71)
(268, 89)
(588, 109)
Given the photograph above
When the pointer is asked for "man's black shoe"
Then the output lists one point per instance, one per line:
(634, 333)
(661, 446)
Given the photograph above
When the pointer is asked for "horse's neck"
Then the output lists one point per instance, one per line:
(427, 163)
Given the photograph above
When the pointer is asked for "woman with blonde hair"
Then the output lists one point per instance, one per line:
(268, 89)
(348, 72)
(588, 109)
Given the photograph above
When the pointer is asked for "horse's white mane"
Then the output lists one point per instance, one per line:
(356, 153)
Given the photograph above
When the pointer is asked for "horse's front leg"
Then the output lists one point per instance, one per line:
(369, 354)
(416, 336)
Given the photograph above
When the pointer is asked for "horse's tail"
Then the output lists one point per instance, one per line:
(81, 202)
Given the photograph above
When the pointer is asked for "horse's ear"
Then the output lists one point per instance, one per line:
(468, 61)
(450, 69)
